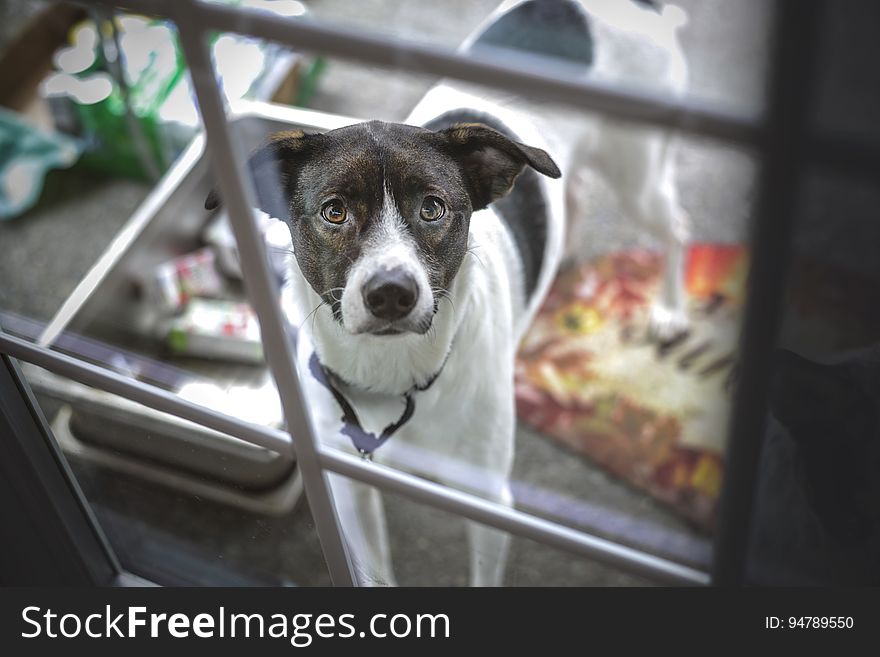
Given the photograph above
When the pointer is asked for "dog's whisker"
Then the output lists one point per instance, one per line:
(312, 315)
(332, 294)
(441, 294)
(470, 251)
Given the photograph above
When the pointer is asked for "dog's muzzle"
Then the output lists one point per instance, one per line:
(387, 299)
(390, 295)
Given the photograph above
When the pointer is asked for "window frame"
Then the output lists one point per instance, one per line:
(47, 527)
(780, 138)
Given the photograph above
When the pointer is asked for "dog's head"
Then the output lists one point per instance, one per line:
(379, 212)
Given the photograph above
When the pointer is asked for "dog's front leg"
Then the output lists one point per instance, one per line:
(489, 548)
(362, 515)
(490, 451)
(359, 507)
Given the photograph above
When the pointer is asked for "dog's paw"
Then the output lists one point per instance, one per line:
(373, 579)
(371, 582)
(666, 323)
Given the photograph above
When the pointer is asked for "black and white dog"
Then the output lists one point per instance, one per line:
(422, 252)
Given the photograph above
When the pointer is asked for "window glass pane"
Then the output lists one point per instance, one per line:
(146, 296)
(180, 505)
(608, 415)
(618, 425)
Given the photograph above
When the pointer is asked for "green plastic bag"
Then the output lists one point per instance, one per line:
(26, 156)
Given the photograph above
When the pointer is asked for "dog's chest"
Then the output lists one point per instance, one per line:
(461, 404)
(464, 418)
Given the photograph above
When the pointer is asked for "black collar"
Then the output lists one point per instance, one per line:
(364, 441)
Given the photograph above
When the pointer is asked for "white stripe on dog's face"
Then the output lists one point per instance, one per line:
(389, 260)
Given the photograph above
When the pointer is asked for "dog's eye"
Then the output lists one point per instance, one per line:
(432, 209)
(334, 212)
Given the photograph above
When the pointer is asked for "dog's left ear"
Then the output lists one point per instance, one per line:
(491, 162)
(273, 166)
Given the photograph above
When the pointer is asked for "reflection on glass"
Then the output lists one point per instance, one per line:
(817, 512)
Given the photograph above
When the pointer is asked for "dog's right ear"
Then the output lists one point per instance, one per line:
(490, 161)
(273, 168)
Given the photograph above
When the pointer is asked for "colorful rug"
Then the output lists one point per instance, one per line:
(651, 413)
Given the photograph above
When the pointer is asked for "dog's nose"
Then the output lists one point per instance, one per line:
(391, 294)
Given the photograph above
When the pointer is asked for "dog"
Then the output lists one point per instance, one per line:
(421, 253)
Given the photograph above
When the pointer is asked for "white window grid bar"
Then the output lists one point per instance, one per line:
(194, 19)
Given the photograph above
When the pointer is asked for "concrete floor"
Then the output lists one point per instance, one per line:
(50, 248)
